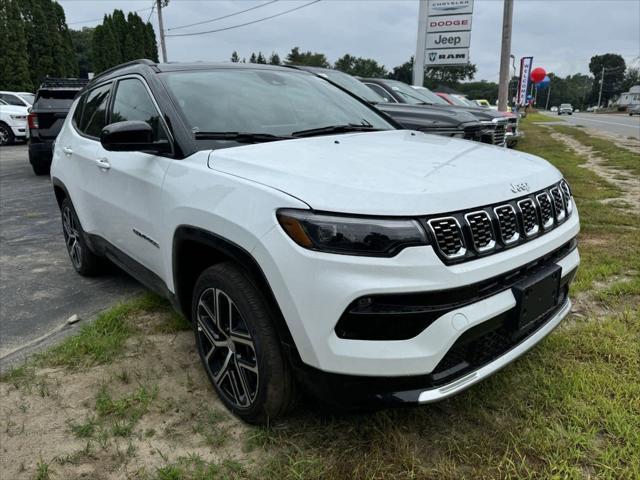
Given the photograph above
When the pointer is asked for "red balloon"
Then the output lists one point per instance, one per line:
(538, 74)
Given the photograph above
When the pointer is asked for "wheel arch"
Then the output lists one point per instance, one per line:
(60, 190)
(195, 249)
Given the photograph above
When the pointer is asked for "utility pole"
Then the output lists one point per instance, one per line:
(163, 48)
(503, 89)
(421, 45)
(546, 107)
(601, 83)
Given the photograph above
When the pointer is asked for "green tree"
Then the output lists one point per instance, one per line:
(14, 61)
(260, 58)
(66, 56)
(38, 44)
(151, 43)
(614, 72)
(448, 75)
(234, 57)
(81, 40)
(358, 66)
(631, 78)
(312, 59)
(274, 59)
(253, 58)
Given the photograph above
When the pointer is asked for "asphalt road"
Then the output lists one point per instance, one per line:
(617, 124)
(39, 289)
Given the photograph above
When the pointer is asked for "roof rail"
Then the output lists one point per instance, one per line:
(72, 83)
(140, 61)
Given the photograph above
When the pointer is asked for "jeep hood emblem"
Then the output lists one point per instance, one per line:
(519, 187)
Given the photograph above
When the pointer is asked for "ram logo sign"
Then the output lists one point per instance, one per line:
(448, 35)
(451, 56)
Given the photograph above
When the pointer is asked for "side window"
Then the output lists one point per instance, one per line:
(381, 91)
(12, 99)
(132, 102)
(94, 113)
(77, 114)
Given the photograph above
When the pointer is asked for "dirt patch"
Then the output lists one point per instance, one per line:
(631, 144)
(628, 183)
(115, 421)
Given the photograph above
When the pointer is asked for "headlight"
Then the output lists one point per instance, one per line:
(376, 237)
(19, 117)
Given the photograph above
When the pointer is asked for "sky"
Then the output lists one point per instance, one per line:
(561, 35)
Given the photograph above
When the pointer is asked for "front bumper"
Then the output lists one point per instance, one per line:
(19, 130)
(314, 289)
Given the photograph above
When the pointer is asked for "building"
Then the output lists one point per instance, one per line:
(631, 97)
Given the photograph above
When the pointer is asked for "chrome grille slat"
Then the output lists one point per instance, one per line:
(546, 210)
(558, 204)
(508, 223)
(566, 192)
(481, 229)
(448, 236)
(529, 217)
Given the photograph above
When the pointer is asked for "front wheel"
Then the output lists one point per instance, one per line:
(239, 347)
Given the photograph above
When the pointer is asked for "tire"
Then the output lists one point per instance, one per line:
(84, 261)
(6, 135)
(39, 169)
(239, 347)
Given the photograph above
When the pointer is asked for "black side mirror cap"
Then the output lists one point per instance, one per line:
(131, 136)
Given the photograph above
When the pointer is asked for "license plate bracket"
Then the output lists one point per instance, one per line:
(537, 295)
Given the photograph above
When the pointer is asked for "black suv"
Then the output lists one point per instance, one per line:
(52, 103)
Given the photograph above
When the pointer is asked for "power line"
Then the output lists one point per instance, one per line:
(153, 6)
(220, 18)
(242, 24)
(96, 19)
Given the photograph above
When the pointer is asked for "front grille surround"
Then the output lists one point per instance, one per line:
(510, 223)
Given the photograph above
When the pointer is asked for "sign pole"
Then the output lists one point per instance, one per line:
(418, 59)
(503, 89)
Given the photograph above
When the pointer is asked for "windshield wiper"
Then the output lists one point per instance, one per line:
(350, 127)
(241, 137)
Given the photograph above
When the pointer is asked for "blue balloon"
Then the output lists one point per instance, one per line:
(545, 82)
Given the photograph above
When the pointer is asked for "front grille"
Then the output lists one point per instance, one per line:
(499, 134)
(448, 236)
(464, 235)
(529, 217)
(558, 204)
(546, 210)
(481, 230)
(507, 223)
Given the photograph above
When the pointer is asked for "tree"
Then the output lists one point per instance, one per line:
(631, 78)
(81, 40)
(312, 59)
(274, 59)
(614, 72)
(448, 75)
(234, 57)
(358, 66)
(38, 43)
(151, 44)
(14, 62)
(261, 58)
(404, 72)
(68, 63)
(253, 58)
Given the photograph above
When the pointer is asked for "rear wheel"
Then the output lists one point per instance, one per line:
(239, 347)
(6, 135)
(84, 261)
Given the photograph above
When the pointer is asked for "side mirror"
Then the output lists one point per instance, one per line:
(131, 136)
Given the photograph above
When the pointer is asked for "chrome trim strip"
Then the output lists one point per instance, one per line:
(460, 253)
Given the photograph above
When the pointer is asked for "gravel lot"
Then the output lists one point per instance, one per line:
(39, 290)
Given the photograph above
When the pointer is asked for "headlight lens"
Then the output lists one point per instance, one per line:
(19, 117)
(377, 237)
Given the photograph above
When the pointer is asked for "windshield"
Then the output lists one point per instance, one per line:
(565, 105)
(27, 97)
(354, 85)
(264, 101)
(458, 101)
(428, 94)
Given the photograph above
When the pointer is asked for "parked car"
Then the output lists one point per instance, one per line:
(310, 242)
(554, 109)
(634, 109)
(565, 108)
(494, 124)
(423, 118)
(18, 99)
(51, 105)
(512, 133)
(13, 123)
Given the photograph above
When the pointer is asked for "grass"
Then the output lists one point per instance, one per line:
(539, 117)
(568, 409)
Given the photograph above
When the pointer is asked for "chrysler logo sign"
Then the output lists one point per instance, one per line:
(444, 7)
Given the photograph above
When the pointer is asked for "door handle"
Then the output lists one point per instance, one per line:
(67, 151)
(103, 163)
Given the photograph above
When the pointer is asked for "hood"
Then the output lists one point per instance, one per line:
(394, 172)
(426, 116)
(479, 113)
(14, 109)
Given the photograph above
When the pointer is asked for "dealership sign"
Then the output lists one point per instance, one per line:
(523, 82)
(448, 35)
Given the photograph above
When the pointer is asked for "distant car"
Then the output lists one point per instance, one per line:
(52, 103)
(634, 109)
(13, 123)
(565, 108)
(576, 110)
(17, 99)
(554, 109)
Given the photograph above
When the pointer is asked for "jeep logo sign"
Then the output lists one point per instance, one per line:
(448, 40)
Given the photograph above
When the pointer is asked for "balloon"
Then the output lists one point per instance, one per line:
(545, 82)
(538, 74)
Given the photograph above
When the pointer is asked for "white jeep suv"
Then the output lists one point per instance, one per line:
(310, 241)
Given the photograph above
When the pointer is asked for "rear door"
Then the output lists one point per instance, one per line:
(130, 183)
